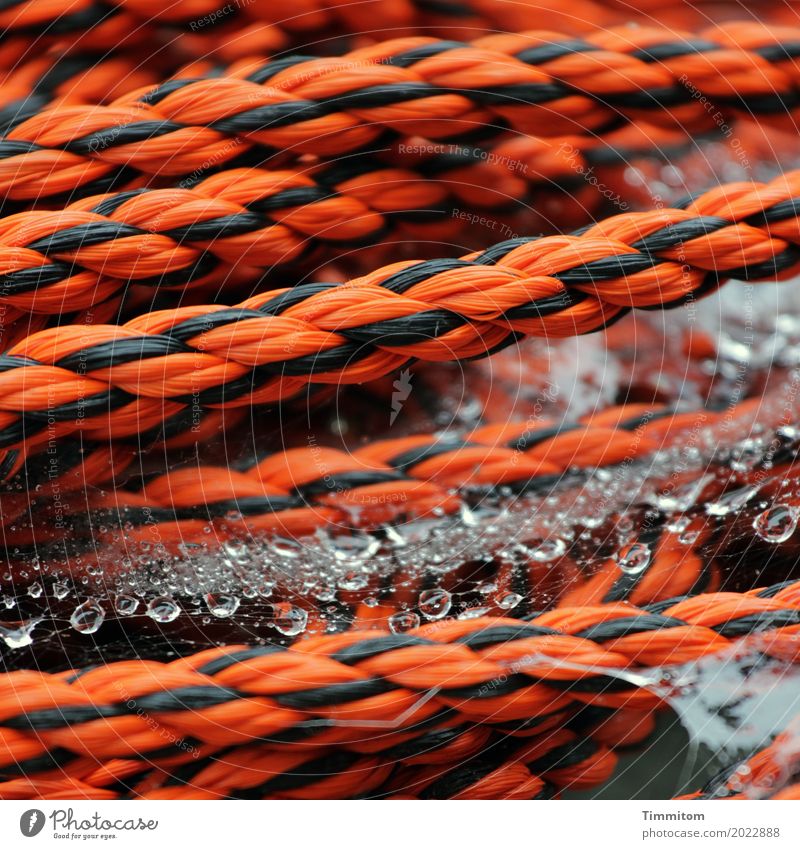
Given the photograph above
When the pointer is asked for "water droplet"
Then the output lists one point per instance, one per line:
(403, 621)
(325, 592)
(163, 609)
(731, 502)
(222, 605)
(284, 547)
(87, 617)
(468, 517)
(678, 525)
(435, 604)
(126, 605)
(353, 581)
(688, 537)
(746, 455)
(289, 619)
(35, 590)
(60, 591)
(776, 524)
(635, 559)
(17, 635)
(509, 601)
(625, 524)
(681, 498)
(548, 550)
(592, 520)
(395, 539)
(349, 549)
(473, 613)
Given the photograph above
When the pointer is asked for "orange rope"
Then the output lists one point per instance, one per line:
(538, 83)
(466, 708)
(481, 670)
(298, 490)
(120, 379)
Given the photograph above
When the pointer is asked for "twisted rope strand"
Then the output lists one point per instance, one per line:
(190, 769)
(301, 489)
(565, 655)
(85, 78)
(539, 83)
(119, 379)
(467, 708)
(256, 217)
(30, 17)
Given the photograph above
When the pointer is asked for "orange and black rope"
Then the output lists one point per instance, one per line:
(507, 705)
(416, 86)
(277, 343)
(300, 489)
(461, 666)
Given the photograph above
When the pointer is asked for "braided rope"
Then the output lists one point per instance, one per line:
(365, 769)
(85, 78)
(301, 489)
(537, 82)
(30, 17)
(256, 217)
(120, 379)
(109, 32)
(253, 217)
(335, 687)
(464, 708)
(515, 770)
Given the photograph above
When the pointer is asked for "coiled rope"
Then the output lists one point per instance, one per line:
(523, 707)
